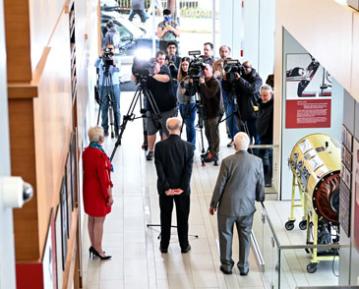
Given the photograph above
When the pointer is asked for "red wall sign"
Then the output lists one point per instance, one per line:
(308, 113)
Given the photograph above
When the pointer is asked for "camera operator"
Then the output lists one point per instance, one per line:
(264, 126)
(210, 93)
(187, 101)
(247, 86)
(208, 53)
(173, 62)
(167, 30)
(227, 92)
(161, 88)
(108, 68)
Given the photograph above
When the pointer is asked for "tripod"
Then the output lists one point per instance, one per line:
(198, 107)
(243, 126)
(107, 100)
(142, 94)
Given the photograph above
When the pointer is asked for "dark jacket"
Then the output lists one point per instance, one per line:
(162, 92)
(211, 98)
(264, 122)
(173, 160)
(247, 91)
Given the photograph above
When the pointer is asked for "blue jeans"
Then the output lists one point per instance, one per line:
(232, 119)
(104, 94)
(142, 13)
(188, 113)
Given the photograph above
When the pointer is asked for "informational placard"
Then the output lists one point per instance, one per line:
(308, 92)
(309, 113)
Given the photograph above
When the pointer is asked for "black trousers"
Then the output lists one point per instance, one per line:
(182, 211)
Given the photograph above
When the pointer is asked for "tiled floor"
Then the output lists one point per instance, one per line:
(136, 260)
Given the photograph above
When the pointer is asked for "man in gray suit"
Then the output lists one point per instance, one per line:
(239, 184)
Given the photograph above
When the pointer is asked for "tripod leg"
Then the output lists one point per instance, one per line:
(110, 112)
(98, 115)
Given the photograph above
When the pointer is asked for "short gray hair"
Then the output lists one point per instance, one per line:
(241, 141)
(96, 134)
(225, 46)
(266, 87)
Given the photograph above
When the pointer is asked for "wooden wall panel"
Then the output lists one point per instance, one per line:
(53, 122)
(23, 164)
(17, 31)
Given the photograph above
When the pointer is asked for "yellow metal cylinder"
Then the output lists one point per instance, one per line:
(315, 160)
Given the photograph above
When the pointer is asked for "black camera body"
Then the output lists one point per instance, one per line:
(196, 66)
(231, 67)
(107, 58)
(143, 69)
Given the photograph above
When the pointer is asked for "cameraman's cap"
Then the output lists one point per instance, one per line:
(167, 12)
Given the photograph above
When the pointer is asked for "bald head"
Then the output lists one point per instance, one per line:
(173, 125)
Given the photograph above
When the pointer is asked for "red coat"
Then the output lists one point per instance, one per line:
(96, 182)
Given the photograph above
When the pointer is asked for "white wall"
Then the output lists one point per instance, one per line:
(250, 29)
(230, 26)
(7, 264)
(329, 31)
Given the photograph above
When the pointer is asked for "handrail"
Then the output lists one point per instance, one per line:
(305, 246)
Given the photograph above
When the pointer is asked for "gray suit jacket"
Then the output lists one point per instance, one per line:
(239, 181)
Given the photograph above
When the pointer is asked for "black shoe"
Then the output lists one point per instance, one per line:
(106, 133)
(230, 144)
(163, 250)
(210, 157)
(94, 253)
(243, 273)
(187, 249)
(225, 271)
(149, 156)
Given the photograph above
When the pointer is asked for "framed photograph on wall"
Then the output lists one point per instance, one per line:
(64, 216)
(347, 139)
(356, 193)
(344, 208)
(69, 177)
(345, 176)
(74, 169)
(347, 158)
(58, 242)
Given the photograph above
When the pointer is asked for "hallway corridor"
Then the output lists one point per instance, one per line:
(136, 259)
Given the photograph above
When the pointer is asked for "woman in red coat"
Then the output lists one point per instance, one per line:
(97, 189)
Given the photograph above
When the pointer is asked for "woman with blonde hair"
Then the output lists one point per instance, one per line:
(97, 189)
(187, 100)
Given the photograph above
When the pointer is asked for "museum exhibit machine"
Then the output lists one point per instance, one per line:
(315, 163)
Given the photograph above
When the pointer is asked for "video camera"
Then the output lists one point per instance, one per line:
(107, 57)
(231, 67)
(143, 69)
(196, 66)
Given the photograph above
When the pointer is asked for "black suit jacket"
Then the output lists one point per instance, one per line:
(174, 160)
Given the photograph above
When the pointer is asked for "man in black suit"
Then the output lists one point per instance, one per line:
(174, 160)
